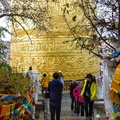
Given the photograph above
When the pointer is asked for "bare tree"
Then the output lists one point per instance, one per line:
(27, 14)
(102, 18)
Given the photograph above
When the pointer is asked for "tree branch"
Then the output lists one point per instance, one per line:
(94, 26)
(23, 29)
(74, 35)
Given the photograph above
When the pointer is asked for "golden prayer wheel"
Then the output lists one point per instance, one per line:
(115, 85)
(49, 54)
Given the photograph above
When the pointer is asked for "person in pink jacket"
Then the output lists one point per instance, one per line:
(79, 99)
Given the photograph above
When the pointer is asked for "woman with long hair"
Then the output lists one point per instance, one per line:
(89, 92)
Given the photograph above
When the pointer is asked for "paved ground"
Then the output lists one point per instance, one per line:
(66, 113)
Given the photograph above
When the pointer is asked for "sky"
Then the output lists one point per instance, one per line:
(4, 23)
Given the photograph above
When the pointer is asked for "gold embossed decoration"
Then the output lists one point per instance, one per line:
(50, 53)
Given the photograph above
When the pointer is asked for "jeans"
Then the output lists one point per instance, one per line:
(55, 109)
(88, 105)
(80, 108)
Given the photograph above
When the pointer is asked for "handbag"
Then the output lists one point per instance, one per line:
(47, 94)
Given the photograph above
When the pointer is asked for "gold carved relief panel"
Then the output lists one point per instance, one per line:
(53, 55)
(48, 54)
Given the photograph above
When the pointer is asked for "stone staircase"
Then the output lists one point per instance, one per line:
(42, 109)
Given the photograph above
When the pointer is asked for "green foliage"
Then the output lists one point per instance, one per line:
(2, 32)
(117, 118)
(12, 83)
(2, 46)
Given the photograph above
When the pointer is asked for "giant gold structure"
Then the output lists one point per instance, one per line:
(48, 54)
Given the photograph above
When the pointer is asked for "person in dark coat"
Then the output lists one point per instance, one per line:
(55, 88)
(89, 92)
(72, 87)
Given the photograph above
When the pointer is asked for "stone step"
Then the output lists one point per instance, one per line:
(66, 113)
